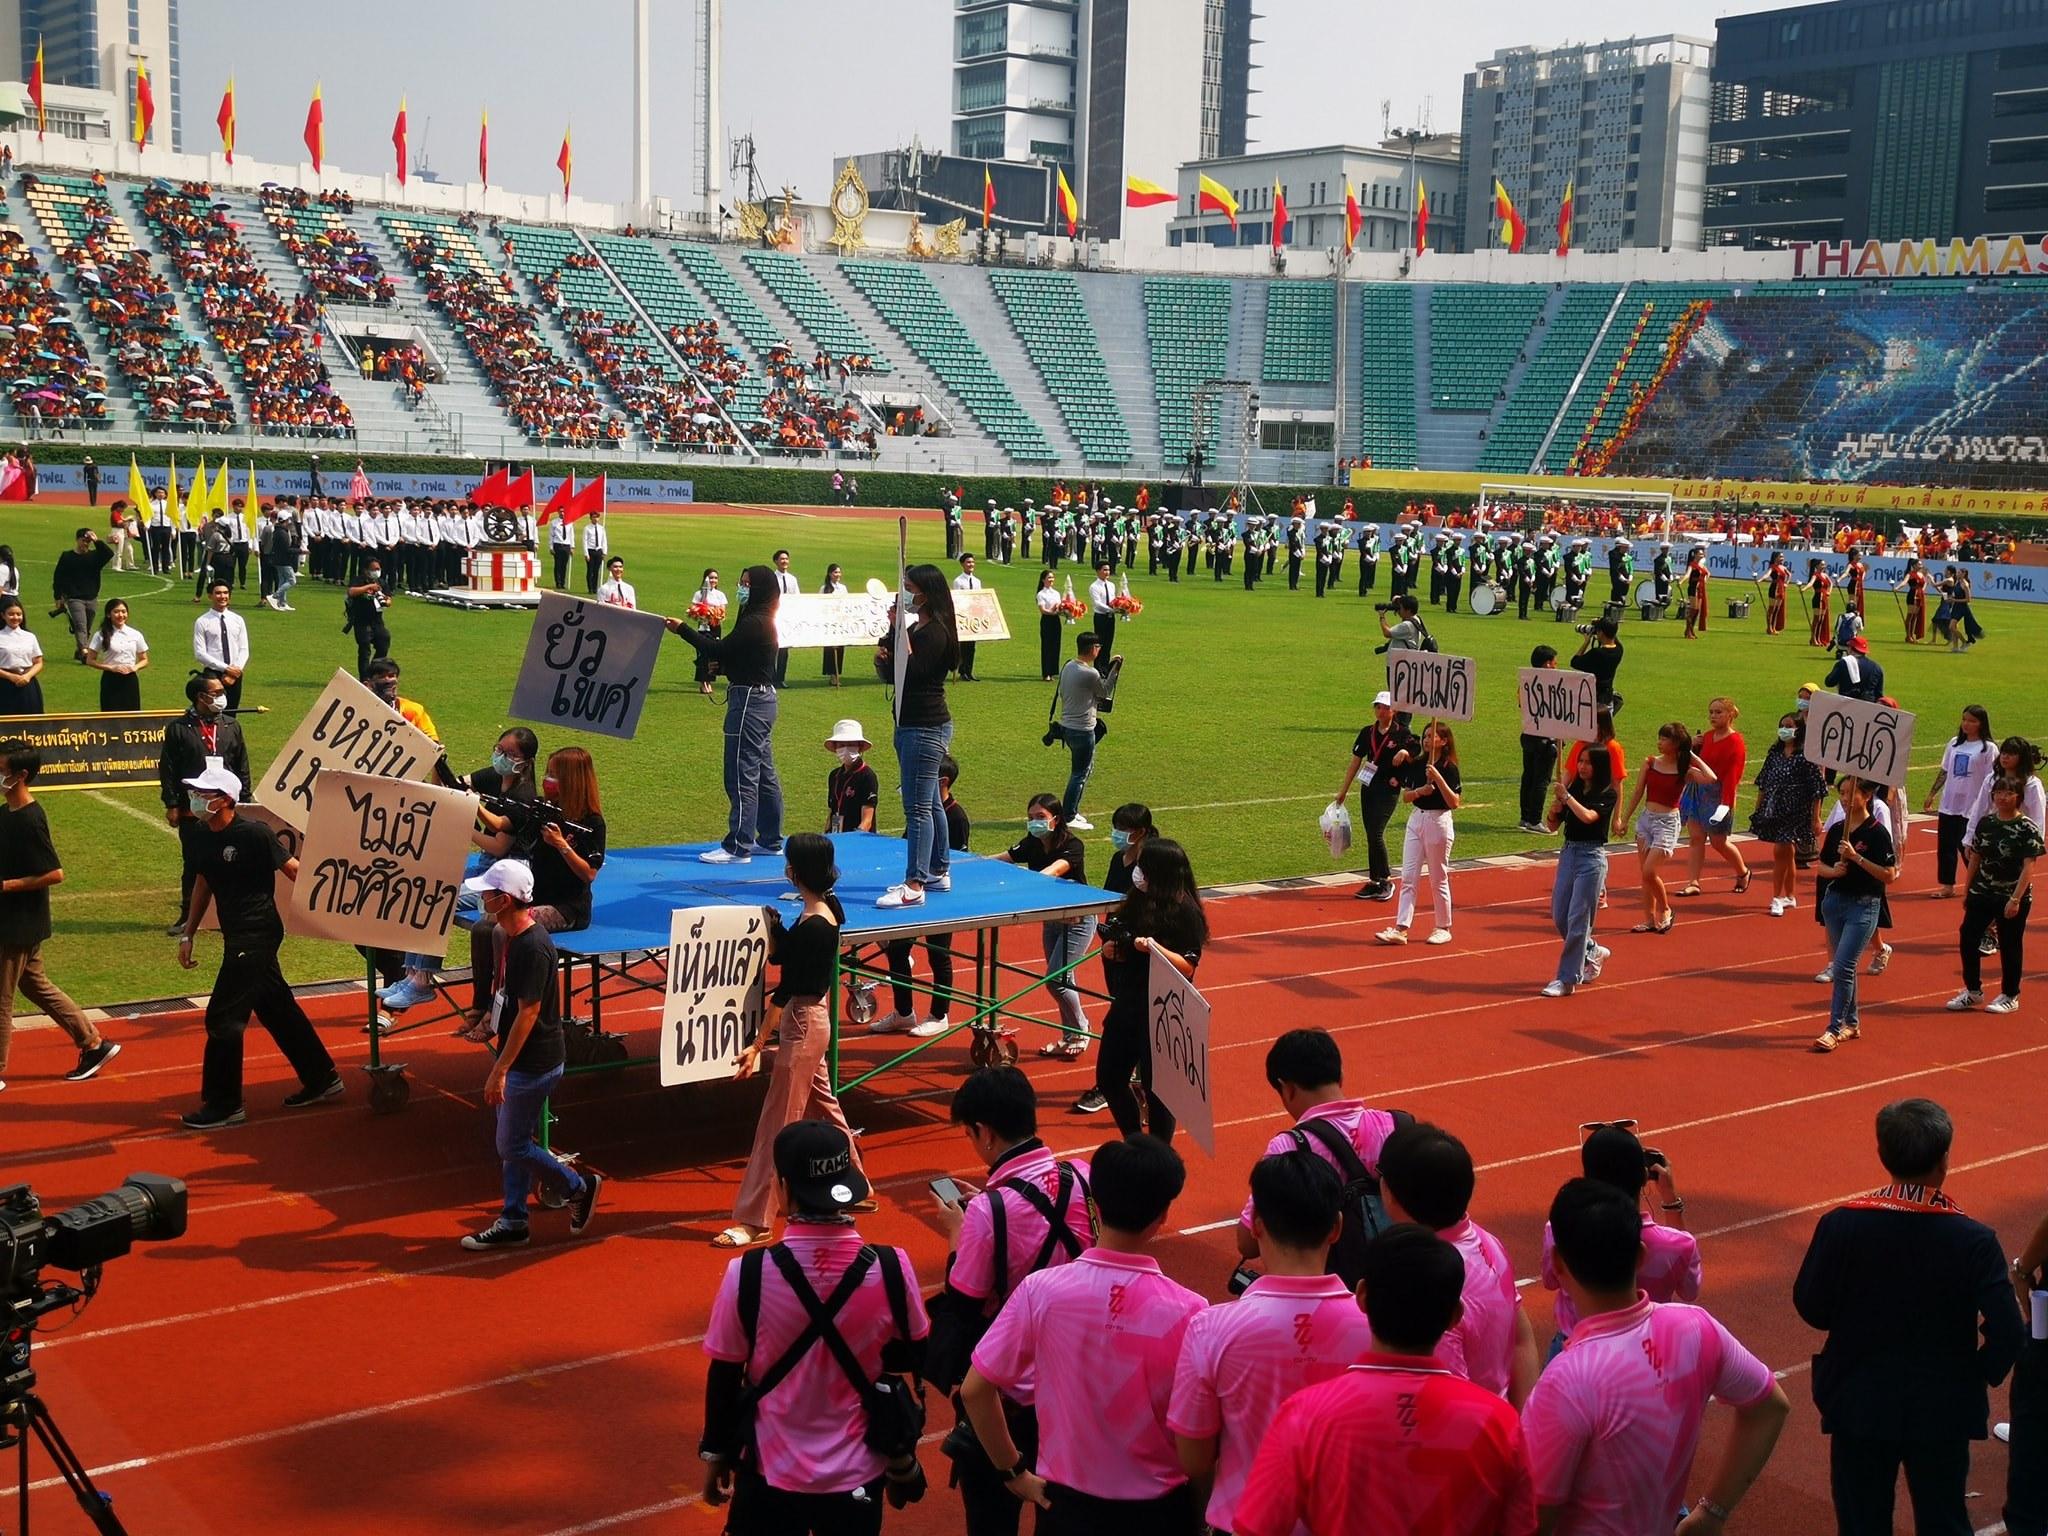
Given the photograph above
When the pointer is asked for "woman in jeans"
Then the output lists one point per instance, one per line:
(1966, 762)
(1430, 785)
(1372, 759)
(1584, 810)
(1858, 862)
(924, 732)
(1162, 915)
(746, 659)
(1998, 878)
(1050, 849)
(1789, 790)
(800, 1083)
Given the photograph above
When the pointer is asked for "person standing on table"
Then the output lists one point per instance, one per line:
(924, 732)
(1911, 1347)
(1162, 915)
(967, 581)
(75, 584)
(220, 642)
(746, 658)
(525, 1033)
(785, 586)
(800, 1081)
(29, 869)
(1582, 807)
(1375, 769)
(119, 653)
(1670, 1268)
(1998, 888)
(191, 741)
(234, 865)
(1049, 848)
(1967, 763)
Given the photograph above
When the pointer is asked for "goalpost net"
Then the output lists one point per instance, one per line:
(1588, 510)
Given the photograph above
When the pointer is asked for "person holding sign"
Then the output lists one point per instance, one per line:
(1583, 808)
(746, 657)
(526, 1038)
(800, 1082)
(234, 864)
(1430, 784)
(1161, 914)
(1857, 860)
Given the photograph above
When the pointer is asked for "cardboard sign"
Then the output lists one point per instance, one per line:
(1431, 683)
(1558, 703)
(587, 666)
(1871, 741)
(714, 997)
(1178, 1034)
(382, 862)
(348, 730)
(979, 617)
(809, 620)
(294, 845)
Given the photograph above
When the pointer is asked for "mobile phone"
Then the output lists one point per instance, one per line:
(1241, 1279)
(1653, 1160)
(948, 1192)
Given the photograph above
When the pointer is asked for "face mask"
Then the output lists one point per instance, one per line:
(1038, 826)
(7, 786)
(211, 703)
(373, 574)
(1119, 839)
(551, 786)
(1787, 732)
(744, 591)
(1801, 705)
(846, 755)
(200, 806)
(507, 767)
(1137, 878)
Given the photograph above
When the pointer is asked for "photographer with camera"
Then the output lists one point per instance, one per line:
(1670, 1266)
(808, 1425)
(365, 607)
(1600, 653)
(1083, 694)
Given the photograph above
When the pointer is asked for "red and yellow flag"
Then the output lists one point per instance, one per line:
(225, 120)
(1564, 222)
(1213, 197)
(398, 138)
(145, 105)
(316, 129)
(1279, 216)
(564, 161)
(1140, 193)
(1513, 231)
(988, 197)
(35, 89)
(483, 149)
(1070, 210)
(1352, 217)
(1421, 216)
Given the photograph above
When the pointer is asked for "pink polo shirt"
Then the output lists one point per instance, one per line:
(1482, 1346)
(1366, 1129)
(809, 1427)
(1093, 1345)
(1613, 1423)
(1024, 1230)
(1242, 1359)
(1670, 1272)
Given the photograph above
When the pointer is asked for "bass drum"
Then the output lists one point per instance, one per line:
(1489, 598)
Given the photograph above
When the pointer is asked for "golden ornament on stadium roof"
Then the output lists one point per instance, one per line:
(849, 210)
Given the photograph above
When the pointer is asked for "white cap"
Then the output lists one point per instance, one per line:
(1624, 544)
(215, 779)
(847, 733)
(1383, 698)
(514, 877)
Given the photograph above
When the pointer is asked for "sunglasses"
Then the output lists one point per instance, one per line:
(1588, 1127)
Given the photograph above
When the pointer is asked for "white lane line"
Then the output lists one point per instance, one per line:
(128, 810)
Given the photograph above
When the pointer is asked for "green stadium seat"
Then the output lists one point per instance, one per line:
(1046, 311)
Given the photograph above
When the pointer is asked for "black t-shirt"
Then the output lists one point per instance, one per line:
(1595, 831)
(1434, 799)
(1130, 974)
(1603, 661)
(1119, 877)
(1037, 853)
(1376, 748)
(805, 954)
(555, 884)
(240, 865)
(526, 974)
(25, 850)
(1870, 840)
(365, 611)
(957, 826)
(848, 792)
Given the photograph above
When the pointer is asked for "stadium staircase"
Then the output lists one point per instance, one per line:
(537, 251)
(125, 199)
(665, 300)
(740, 318)
(1574, 326)
(1115, 304)
(1045, 310)
(1382, 377)
(1581, 405)
(1188, 338)
(967, 291)
(50, 218)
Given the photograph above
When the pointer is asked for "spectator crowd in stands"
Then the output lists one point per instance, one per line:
(51, 380)
(338, 266)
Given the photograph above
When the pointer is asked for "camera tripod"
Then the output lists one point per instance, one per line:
(29, 1412)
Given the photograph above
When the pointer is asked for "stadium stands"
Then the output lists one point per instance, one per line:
(738, 306)
(1046, 311)
(1386, 369)
(1300, 322)
(49, 376)
(1658, 306)
(824, 321)
(1187, 326)
(1513, 444)
(339, 268)
(1476, 331)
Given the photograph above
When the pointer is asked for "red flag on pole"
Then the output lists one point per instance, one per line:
(1421, 216)
(316, 129)
(483, 149)
(1279, 216)
(1513, 229)
(398, 140)
(1564, 222)
(490, 491)
(563, 162)
(225, 119)
(1353, 219)
(35, 90)
(145, 105)
(988, 197)
(518, 493)
(589, 499)
(564, 494)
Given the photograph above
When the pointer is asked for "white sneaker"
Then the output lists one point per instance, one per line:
(929, 1028)
(1558, 989)
(1881, 959)
(900, 896)
(2002, 1004)
(1392, 935)
(890, 1024)
(1777, 906)
(1790, 902)
(1825, 975)
(1440, 936)
(724, 856)
(1600, 956)
(1081, 824)
(1964, 1000)
(939, 883)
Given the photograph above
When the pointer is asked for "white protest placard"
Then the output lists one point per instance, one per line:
(1178, 1020)
(348, 730)
(587, 666)
(1871, 741)
(714, 995)
(294, 845)
(1558, 703)
(978, 617)
(809, 620)
(1431, 683)
(382, 862)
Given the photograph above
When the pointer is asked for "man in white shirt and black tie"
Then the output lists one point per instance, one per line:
(967, 581)
(220, 642)
(596, 545)
(162, 534)
(786, 585)
(562, 544)
(1101, 594)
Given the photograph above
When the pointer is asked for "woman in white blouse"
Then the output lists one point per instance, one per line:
(21, 662)
(1965, 763)
(616, 592)
(708, 595)
(10, 573)
(835, 655)
(1049, 598)
(118, 653)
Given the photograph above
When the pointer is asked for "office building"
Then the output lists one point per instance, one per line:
(1623, 123)
(92, 45)
(1312, 181)
(1879, 120)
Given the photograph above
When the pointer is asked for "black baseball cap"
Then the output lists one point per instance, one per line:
(816, 1158)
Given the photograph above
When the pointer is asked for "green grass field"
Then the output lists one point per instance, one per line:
(1234, 720)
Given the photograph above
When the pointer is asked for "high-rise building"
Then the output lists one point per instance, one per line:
(92, 45)
(1104, 89)
(1623, 123)
(1879, 120)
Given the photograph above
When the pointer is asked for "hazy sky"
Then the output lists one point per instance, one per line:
(810, 79)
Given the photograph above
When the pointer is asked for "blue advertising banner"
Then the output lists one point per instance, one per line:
(334, 481)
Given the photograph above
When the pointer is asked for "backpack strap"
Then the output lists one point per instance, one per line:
(820, 1313)
(1338, 1145)
(1059, 1237)
(999, 1240)
(750, 1294)
(897, 1289)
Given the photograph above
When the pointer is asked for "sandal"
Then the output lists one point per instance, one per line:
(1644, 927)
(1742, 882)
(738, 1236)
(1063, 1050)
(1665, 926)
(1691, 890)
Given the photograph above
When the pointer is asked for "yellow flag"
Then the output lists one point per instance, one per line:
(138, 490)
(171, 495)
(219, 497)
(195, 496)
(249, 501)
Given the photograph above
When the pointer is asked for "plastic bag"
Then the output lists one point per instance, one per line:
(1335, 823)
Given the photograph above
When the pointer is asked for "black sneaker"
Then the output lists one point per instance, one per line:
(207, 1118)
(331, 1089)
(584, 1206)
(1385, 892)
(499, 1234)
(1090, 1103)
(90, 1061)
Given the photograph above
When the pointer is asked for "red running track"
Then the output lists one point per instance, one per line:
(318, 1343)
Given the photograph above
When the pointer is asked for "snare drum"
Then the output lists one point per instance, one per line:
(1489, 598)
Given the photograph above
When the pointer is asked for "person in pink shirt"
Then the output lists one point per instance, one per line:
(1397, 1445)
(808, 1469)
(1427, 1177)
(1670, 1270)
(1294, 1326)
(1305, 1068)
(1613, 1425)
(1093, 1345)
(1033, 1215)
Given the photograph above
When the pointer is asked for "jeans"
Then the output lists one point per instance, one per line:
(1850, 920)
(1081, 748)
(519, 1148)
(919, 751)
(1979, 912)
(1574, 902)
(1065, 944)
(283, 578)
(755, 817)
(1376, 804)
(1429, 837)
